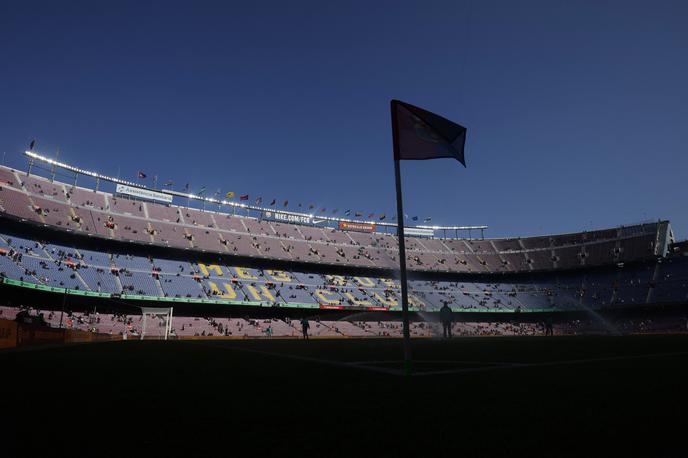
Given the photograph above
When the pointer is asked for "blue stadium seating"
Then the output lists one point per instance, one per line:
(74, 268)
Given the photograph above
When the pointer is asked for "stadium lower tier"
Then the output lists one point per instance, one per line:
(73, 270)
(133, 326)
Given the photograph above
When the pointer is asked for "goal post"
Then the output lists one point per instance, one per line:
(165, 313)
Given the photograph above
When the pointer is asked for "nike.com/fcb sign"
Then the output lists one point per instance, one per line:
(144, 193)
(288, 217)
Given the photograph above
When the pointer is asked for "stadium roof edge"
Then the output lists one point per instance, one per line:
(35, 156)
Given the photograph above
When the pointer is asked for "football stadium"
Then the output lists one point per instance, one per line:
(142, 263)
(208, 281)
(204, 251)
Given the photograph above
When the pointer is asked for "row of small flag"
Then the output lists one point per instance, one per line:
(245, 197)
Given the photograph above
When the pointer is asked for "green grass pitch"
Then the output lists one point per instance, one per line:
(561, 396)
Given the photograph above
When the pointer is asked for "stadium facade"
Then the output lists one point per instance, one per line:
(132, 246)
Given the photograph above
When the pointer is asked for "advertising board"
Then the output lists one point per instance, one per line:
(143, 193)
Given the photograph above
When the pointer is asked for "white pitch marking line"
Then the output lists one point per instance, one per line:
(439, 361)
(303, 358)
(551, 363)
(442, 372)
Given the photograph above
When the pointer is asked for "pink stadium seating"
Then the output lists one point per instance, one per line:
(80, 209)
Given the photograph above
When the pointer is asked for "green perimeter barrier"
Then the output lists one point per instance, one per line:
(138, 297)
(190, 300)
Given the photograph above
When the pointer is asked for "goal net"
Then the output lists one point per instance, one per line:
(156, 322)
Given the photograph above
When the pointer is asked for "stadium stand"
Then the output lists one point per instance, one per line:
(38, 200)
(81, 242)
(73, 268)
(190, 327)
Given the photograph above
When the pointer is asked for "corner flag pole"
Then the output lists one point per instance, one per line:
(402, 248)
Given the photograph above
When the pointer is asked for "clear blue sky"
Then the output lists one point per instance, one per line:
(577, 112)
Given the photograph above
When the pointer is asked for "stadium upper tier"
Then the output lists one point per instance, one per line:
(29, 263)
(101, 214)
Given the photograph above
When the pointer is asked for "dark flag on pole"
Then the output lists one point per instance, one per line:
(32, 144)
(418, 134)
(423, 135)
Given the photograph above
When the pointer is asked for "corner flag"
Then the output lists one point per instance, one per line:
(418, 134)
(421, 135)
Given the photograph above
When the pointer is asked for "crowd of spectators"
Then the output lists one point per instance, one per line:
(112, 216)
(247, 327)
